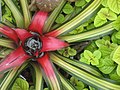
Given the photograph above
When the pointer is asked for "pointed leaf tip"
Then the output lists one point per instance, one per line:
(48, 70)
(9, 32)
(38, 22)
(16, 58)
(51, 44)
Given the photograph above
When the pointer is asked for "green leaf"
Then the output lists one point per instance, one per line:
(95, 61)
(73, 32)
(7, 15)
(113, 46)
(106, 65)
(114, 39)
(111, 15)
(7, 43)
(85, 89)
(86, 23)
(107, 43)
(68, 9)
(105, 47)
(116, 55)
(116, 23)
(114, 5)
(99, 22)
(114, 76)
(84, 60)
(80, 85)
(105, 13)
(20, 84)
(11, 76)
(60, 19)
(117, 35)
(4, 52)
(79, 3)
(65, 53)
(83, 75)
(100, 42)
(77, 30)
(66, 84)
(87, 0)
(106, 38)
(91, 88)
(97, 54)
(54, 14)
(90, 35)
(85, 14)
(71, 51)
(32, 88)
(2, 3)
(118, 69)
(91, 47)
(91, 26)
(87, 54)
(16, 13)
(26, 12)
(106, 69)
(78, 64)
(89, 57)
(38, 76)
(106, 51)
(46, 89)
(73, 80)
(104, 3)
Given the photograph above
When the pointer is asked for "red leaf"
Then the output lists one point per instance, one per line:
(54, 33)
(38, 22)
(9, 32)
(23, 34)
(49, 73)
(51, 44)
(46, 65)
(16, 58)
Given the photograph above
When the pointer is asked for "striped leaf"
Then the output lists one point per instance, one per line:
(80, 65)
(16, 13)
(90, 35)
(49, 73)
(85, 15)
(38, 76)
(84, 76)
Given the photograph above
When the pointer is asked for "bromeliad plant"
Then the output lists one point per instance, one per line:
(32, 43)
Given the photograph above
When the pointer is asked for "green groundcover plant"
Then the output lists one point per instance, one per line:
(60, 45)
